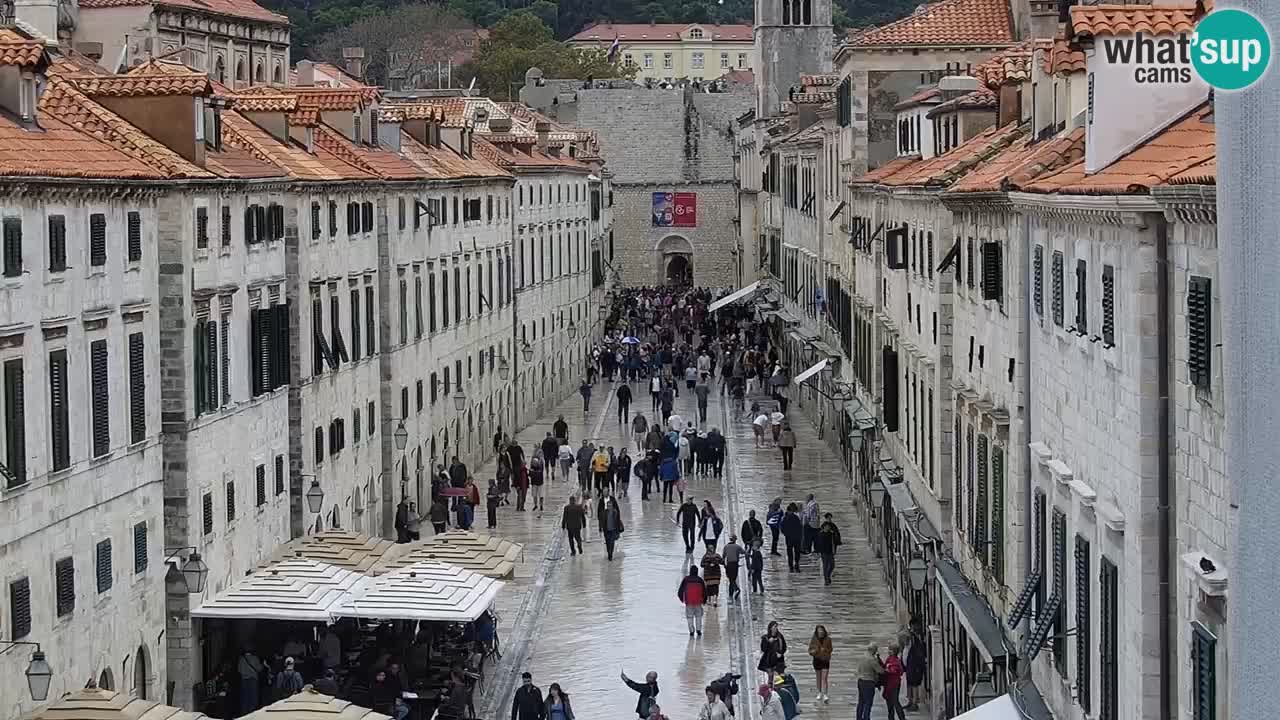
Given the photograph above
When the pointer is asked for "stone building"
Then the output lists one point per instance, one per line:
(669, 150)
(672, 52)
(791, 38)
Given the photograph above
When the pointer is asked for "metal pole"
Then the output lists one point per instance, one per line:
(1249, 223)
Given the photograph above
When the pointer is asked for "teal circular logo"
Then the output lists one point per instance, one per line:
(1230, 49)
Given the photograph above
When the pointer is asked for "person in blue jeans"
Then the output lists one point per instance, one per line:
(869, 671)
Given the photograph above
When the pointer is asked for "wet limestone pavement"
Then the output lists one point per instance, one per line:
(580, 620)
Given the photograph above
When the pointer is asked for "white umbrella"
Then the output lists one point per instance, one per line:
(630, 340)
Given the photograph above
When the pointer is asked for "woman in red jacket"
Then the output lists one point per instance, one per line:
(892, 676)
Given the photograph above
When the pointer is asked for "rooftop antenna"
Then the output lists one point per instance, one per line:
(472, 86)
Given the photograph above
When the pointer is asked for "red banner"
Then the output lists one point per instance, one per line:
(686, 209)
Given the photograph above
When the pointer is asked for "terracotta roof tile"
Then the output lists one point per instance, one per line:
(265, 103)
(18, 49)
(507, 155)
(981, 99)
(238, 131)
(334, 98)
(660, 32)
(142, 85)
(1205, 173)
(163, 66)
(947, 23)
(929, 96)
(1183, 145)
(819, 80)
(375, 161)
(1022, 162)
(233, 162)
(1060, 57)
(445, 164)
(944, 170)
(1012, 65)
(245, 9)
(304, 117)
(887, 170)
(59, 150)
(1093, 20)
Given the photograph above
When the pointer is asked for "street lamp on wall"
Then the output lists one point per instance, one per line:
(876, 495)
(401, 436)
(527, 351)
(315, 496)
(194, 573)
(504, 368)
(39, 674)
(459, 399)
(918, 572)
(572, 330)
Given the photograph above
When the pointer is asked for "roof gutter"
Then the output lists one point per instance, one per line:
(1165, 480)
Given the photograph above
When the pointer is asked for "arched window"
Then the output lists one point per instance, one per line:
(786, 12)
(807, 9)
(106, 681)
(277, 75)
(240, 71)
(695, 34)
(141, 670)
(258, 73)
(220, 71)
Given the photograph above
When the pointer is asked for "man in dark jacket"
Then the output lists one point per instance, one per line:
(715, 444)
(825, 543)
(585, 453)
(402, 522)
(688, 517)
(793, 533)
(648, 693)
(572, 522)
(457, 473)
(624, 403)
(550, 448)
(561, 429)
(585, 391)
(528, 704)
(752, 530)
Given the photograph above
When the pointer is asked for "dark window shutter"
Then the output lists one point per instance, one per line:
(250, 236)
(1059, 591)
(280, 348)
(97, 240)
(137, 389)
(333, 218)
(59, 412)
(318, 439)
(206, 507)
(970, 250)
(980, 512)
(1199, 331)
(101, 396)
(255, 351)
(404, 401)
(266, 337)
(958, 492)
(57, 243)
(355, 423)
(400, 213)
(1109, 642)
(279, 474)
(419, 396)
(102, 565)
(12, 247)
(226, 226)
(202, 227)
(200, 374)
(275, 222)
(970, 485)
(140, 547)
(211, 363)
(370, 337)
(1084, 652)
(133, 225)
(1082, 299)
(1038, 562)
(1204, 661)
(366, 216)
(431, 301)
(19, 608)
(368, 416)
(417, 306)
(261, 225)
(997, 513)
(231, 500)
(1037, 280)
(928, 259)
(1057, 289)
(435, 388)
(15, 423)
(64, 577)
(315, 221)
(1109, 305)
(404, 311)
(889, 365)
(992, 271)
(356, 346)
(444, 298)
(260, 484)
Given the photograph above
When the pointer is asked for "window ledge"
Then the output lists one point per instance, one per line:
(15, 490)
(97, 271)
(102, 459)
(224, 251)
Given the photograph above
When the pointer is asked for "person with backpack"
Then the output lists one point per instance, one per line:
(693, 593)
(669, 473)
(585, 390)
(585, 453)
(784, 683)
(288, 681)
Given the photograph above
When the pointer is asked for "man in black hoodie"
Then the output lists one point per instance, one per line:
(752, 530)
(793, 532)
(528, 704)
(550, 448)
(561, 430)
(572, 522)
(624, 403)
(688, 517)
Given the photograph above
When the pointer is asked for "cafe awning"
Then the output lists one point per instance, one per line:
(96, 704)
(733, 297)
(484, 554)
(1001, 708)
(311, 705)
(347, 550)
(811, 371)
(424, 591)
(298, 589)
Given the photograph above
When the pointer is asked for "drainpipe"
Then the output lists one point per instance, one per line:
(1028, 542)
(1165, 510)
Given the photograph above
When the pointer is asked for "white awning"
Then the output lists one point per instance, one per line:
(814, 370)
(295, 589)
(733, 297)
(1002, 708)
(426, 591)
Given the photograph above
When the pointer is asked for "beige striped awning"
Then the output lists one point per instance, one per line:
(340, 548)
(311, 705)
(424, 591)
(298, 589)
(95, 704)
(483, 554)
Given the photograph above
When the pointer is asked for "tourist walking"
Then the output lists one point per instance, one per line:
(639, 428)
(892, 680)
(755, 567)
(647, 703)
(527, 703)
(869, 671)
(687, 517)
(550, 449)
(714, 708)
(572, 522)
(610, 524)
(711, 562)
(917, 663)
(655, 392)
(826, 543)
(669, 473)
(693, 593)
(711, 526)
(565, 455)
(439, 515)
(787, 444)
(820, 651)
(557, 705)
(789, 690)
(624, 402)
(585, 453)
(773, 518)
(812, 520)
(561, 430)
(537, 477)
(492, 498)
(702, 391)
(773, 648)
(793, 534)
(770, 704)
(585, 390)
(732, 555)
(751, 530)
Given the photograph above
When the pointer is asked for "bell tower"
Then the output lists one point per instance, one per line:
(792, 38)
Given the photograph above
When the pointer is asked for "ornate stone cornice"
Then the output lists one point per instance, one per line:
(57, 190)
(1189, 204)
(1123, 210)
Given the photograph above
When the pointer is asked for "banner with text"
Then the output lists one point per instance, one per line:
(675, 209)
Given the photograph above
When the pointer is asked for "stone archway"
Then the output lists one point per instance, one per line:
(674, 260)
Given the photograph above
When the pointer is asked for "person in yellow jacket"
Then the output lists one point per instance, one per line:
(600, 468)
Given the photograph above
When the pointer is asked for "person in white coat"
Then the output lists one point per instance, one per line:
(770, 704)
(714, 708)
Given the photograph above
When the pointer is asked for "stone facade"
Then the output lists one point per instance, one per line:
(787, 47)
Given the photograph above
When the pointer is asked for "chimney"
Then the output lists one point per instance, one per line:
(543, 128)
(353, 57)
(1010, 110)
(306, 73)
(957, 85)
(91, 50)
(39, 15)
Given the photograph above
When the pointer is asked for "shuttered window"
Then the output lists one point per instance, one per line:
(404, 311)
(318, 440)
(992, 272)
(969, 251)
(279, 474)
(319, 346)
(417, 306)
(431, 301)
(225, 226)
(356, 347)
(137, 389)
(1084, 634)
(15, 423)
(12, 247)
(102, 565)
(366, 216)
(970, 471)
(315, 221)
(400, 213)
(100, 397)
(231, 500)
(140, 547)
(1057, 289)
(1082, 300)
(370, 335)
(1039, 506)
(404, 401)
(281, 341)
(368, 416)
(980, 531)
(1108, 642)
(333, 218)
(997, 513)
(444, 298)
(133, 227)
(958, 493)
(205, 372)
(1204, 673)
(260, 484)
(1108, 305)
(457, 294)
(1060, 590)
(419, 396)
(202, 227)
(57, 243)
(335, 329)
(19, 608)
(64, 580)
(435, 388)
(356, 426)
(275, 222)
(1199, 331)
(59, 412)
(206, 507)
(97, 240)
(889, 363)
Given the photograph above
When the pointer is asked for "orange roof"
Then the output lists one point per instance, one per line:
(506, 155)
(1205, 173)
(945, 169)
(1182, 146)
(947, 23)
(334, 98)
(265, 103)
(18, 49)
(233, 162)
(246, 9)
(1092, 20)
(660, 32)
(1012, 65)
(143, 85)
(239, 132)
(375, 161)
(1060, 57)
(413, 111)
(59, 150)
(445, 164)
(981, 99)
(1022, 162)
(304, 117)
(928, 95)
(887, 170)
